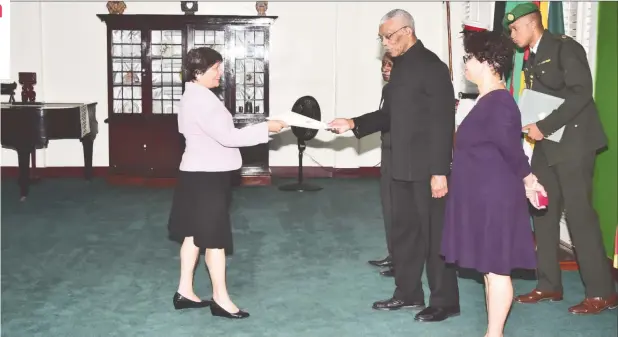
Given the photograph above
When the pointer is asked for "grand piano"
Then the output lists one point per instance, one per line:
(29, 126)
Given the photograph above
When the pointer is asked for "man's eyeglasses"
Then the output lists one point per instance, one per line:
(389, 36)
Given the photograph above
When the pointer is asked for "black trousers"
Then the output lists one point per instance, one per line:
(569, 186)
(385, 196)
(416, 235)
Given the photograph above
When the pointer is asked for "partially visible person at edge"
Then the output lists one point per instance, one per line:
(200, 214)
(385, 180)
(487, 219)
(558, 66)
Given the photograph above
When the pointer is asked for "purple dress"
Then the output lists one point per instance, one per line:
(487, 221)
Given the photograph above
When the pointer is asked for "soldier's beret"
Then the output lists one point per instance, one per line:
(517, 12)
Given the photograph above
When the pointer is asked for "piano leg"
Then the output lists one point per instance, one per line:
(23, 157)
(34, 178)
(87, 144)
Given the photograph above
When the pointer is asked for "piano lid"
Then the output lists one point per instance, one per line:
(42, 105)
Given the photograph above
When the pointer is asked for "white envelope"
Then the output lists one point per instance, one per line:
(294, 119)
(535, 106)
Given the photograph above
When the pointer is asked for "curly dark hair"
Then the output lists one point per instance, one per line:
(198, 61)
(492, 47)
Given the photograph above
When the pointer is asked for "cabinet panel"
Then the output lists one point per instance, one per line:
(164, 146)
(127, 145)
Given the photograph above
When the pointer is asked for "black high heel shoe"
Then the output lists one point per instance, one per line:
(181, 302)
(216, 310)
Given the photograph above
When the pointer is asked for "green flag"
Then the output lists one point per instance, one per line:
(555, 18)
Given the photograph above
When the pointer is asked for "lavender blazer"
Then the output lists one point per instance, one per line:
(212, 140)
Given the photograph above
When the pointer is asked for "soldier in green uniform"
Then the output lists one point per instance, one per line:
(558, 66)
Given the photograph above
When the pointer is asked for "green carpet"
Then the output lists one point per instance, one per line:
(89, 259)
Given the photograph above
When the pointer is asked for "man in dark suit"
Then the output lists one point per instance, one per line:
(421, 104)
(558, 66)
(385, 178)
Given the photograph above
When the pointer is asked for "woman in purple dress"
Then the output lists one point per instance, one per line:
(487, 221)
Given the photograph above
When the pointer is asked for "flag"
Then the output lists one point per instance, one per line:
(555, 18)
(499, 11)
(513, 81)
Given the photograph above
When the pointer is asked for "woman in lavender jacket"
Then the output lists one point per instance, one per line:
(200, 215)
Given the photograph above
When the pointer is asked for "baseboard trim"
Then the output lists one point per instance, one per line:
(54, 172)
(276, 171)
(325, 172)
(568, 262)
(566, 256)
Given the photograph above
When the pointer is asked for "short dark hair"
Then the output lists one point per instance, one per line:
(492, 47)
(198, 61)
(538, 19)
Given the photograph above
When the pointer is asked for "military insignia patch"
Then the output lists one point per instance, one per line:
(510, 17)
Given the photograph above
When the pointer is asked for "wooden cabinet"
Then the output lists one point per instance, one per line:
(144, 74)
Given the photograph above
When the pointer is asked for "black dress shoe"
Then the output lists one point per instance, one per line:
(385, 262)
(216, 310)
(390, 272)
(436, 314)
(395, 304)
(181, 302)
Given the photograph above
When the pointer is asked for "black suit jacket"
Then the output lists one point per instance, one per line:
(421, 116)
(376, 120)
(386, 135)
(382, 123)
(561, 69)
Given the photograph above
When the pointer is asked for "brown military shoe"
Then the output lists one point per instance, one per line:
(594, 305)
(536, 296)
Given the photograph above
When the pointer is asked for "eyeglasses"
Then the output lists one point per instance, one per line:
(467, 58)
(389, 36)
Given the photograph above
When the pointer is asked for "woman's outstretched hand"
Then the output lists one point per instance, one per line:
(276, 125)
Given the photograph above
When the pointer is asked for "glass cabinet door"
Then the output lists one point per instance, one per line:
(166, 70)
(249, 53)
(212, 38)
(126, 59)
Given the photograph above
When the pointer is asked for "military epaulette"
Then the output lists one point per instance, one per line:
(564, 37)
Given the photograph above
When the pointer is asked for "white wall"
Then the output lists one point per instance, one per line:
(324, 49)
